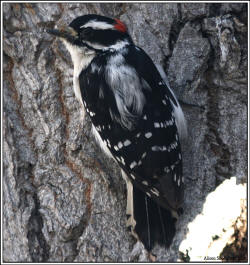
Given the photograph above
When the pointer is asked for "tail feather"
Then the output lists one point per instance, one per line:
(147, 215)
(162, 225)
(154, 224)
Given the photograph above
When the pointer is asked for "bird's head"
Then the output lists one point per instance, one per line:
(94, 33)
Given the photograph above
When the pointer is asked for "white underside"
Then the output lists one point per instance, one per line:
(130, 198)
(101, 142)
(81, 58)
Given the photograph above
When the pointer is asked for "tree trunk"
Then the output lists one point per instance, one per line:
(63, 200)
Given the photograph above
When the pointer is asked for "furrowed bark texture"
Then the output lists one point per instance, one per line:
(63, 200)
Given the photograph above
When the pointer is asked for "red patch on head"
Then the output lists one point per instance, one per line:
(120, 26)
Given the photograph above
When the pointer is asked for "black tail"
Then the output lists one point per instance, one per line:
(153, 223)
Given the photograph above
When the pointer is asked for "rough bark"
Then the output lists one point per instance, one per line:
(63, 200)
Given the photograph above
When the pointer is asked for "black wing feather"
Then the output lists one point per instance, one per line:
(161, 169)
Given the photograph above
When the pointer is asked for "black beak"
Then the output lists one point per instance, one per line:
(66, 33)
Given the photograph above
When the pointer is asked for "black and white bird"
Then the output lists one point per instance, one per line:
(136, 119)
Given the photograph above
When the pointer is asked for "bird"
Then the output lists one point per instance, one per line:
(136, 119)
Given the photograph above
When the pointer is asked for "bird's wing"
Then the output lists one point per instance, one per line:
(132, 109)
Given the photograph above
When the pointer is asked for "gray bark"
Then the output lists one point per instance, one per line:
(63, 200)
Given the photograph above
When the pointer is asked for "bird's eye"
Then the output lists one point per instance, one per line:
(86, 32)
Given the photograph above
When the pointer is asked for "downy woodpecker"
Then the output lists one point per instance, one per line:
(136, 119)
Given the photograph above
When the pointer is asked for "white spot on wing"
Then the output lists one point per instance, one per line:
(157, 125)
(155, 191)
(168, 123)
(108, 143)
(133, 164)
(145, 183)
(101, 142)
(120, 145)
(98, 128)
(159, 148)
(127, 143)
(148, 134)
(166, 169)
(179, 116)
(122, 159)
